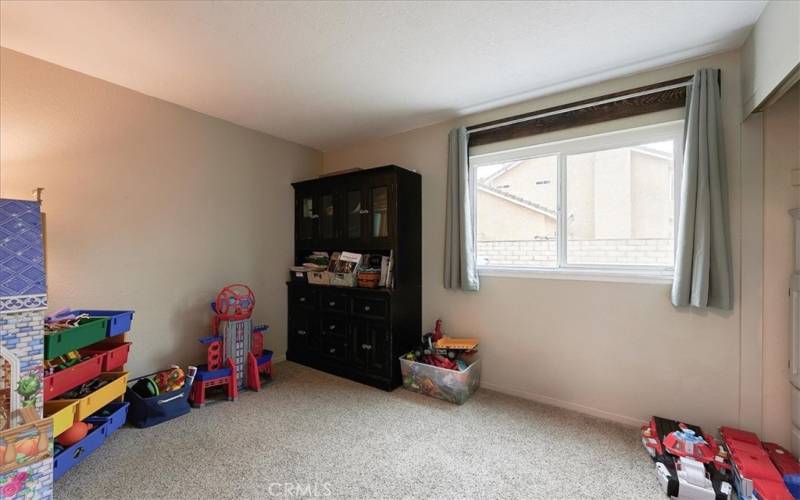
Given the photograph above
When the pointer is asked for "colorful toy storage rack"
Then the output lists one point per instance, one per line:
(26, 438)
(102, 343)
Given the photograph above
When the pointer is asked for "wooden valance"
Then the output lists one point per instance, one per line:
(639, 101)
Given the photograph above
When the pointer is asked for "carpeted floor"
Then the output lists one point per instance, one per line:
(312, 434)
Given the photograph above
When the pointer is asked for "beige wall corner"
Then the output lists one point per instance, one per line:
(771, 54)
(752, 287)
(781, 160)
(150, 206)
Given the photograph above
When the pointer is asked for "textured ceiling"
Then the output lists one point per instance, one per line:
(333, 73)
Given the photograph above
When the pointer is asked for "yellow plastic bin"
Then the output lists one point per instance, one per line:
(63, 414)
(90, 403)
(454, 386)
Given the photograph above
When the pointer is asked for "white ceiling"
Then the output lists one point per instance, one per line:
(329, 74)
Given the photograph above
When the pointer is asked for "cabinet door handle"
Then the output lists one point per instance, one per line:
(366, 308)
(314, 216)
(302, 299)
(332, 327)
(301, 332)
(332, 303)
(366, 346)
(333, 350)
(363, 211)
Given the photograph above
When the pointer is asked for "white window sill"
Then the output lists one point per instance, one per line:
(654, 277)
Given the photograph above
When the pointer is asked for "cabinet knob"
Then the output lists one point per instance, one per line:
(332, 327)
(366, 346)
(302, 299)
(333, 350)
(366, 308)
(301, 332)
(363, 211)
(314, 216)
(332, 303)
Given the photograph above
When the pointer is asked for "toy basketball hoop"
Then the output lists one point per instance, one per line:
(235, 302)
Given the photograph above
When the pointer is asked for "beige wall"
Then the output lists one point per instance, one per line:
(781, 157)
(771, 52)
(150, 206)
(614, 349)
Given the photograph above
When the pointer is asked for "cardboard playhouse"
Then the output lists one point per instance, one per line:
(26, 438)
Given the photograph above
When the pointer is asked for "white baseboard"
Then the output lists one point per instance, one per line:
(588, 410)
(278, 359)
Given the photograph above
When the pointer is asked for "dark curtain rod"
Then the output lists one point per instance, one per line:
(640, 100)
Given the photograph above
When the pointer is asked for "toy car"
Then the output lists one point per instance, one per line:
(689, 464)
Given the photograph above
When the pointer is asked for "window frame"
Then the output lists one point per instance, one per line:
(671, 130)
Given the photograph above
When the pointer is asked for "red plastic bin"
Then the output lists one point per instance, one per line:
(69, 378)
(114, 355)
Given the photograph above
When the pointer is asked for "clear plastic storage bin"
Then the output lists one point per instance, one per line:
(450, 385)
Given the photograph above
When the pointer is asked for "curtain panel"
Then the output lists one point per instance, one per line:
(460, 263)
(703, 266)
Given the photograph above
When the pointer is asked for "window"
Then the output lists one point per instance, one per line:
(603, 203)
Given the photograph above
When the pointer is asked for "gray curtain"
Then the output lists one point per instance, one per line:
(703, 268)
(459, 240)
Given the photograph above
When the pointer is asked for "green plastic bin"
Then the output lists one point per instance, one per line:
(88, 332)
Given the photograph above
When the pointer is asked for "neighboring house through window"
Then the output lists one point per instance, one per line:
(599, 203)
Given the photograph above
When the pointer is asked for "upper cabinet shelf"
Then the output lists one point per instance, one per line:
(353, 211)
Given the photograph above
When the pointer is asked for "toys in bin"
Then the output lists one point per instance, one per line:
(63, 319)
(235, 356)
(442, 351)
(63, 362)
(168, 380)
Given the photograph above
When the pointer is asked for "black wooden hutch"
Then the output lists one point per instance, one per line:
(358, 333)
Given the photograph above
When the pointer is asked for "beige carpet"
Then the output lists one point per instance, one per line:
(312, 434)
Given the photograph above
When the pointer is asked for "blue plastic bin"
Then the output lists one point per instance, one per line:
(119, 322)
(114, 414)
(147, 412)
(75, 454)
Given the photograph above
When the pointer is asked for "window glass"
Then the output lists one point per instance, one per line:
(516, 207)
(620, 206)
(597, 202)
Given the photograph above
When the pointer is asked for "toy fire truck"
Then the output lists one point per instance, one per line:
(761, 471)
(689, 464)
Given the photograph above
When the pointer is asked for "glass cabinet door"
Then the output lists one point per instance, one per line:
(354, 214)
(379, 216)
(327, 217)
(306, 217)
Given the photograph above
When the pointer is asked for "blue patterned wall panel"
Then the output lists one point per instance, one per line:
(21, 251)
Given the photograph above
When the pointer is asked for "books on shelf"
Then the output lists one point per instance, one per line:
(342, 267)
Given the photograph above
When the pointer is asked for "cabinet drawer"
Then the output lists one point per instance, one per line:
(334, 348)
(334, 301)
(373, 307)
(304, 297)
(333, 325)
(302, 331)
